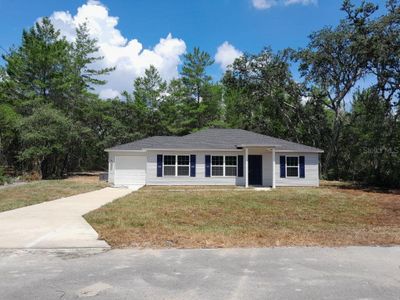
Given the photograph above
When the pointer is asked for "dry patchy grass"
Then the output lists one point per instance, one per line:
(45, 190)
(85, 179)
(216, 217)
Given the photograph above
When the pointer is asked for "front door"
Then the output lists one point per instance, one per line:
(255, 169)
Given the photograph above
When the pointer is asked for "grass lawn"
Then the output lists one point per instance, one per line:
(40, 191)
(192, 217)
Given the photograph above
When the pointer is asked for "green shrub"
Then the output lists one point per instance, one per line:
(3, 177)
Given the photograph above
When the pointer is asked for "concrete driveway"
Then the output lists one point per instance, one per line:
(56, 224)
(272, 273)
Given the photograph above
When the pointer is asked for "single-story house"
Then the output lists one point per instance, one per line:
(214, 157)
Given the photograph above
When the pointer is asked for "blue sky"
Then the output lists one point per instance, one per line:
(246, 26)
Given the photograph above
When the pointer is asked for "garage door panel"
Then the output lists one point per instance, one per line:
(130, 170)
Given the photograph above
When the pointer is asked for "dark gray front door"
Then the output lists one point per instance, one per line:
(255, 169)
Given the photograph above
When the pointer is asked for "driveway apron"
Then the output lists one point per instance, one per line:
(56, 224)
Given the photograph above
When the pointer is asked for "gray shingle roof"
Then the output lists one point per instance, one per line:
(214, 139)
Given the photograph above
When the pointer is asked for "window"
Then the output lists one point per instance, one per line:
(230, 165)
(169, 165)
(223, 165)
(176, 165)
(292, 166)
(183, 165)
(217, 163)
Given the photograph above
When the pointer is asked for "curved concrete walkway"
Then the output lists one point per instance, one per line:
(56, 224)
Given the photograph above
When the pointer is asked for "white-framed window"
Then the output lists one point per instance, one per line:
(217, 165)
(223, 165)
(230, 165)
(292, 166)
(169, 165)
(183, 165)
(176, 165)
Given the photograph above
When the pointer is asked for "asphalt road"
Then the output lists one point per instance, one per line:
(272, 273)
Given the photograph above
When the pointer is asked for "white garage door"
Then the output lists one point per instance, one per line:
(130, 170)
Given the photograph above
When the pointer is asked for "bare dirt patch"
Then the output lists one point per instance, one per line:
(84, 179)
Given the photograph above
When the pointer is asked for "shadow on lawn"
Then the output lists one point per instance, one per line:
(346, 185)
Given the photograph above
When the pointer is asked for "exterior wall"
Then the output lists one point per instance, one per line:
(124, 172)
(127, 169)
(200, 179)
(311, 162)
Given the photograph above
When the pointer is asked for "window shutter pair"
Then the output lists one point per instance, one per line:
(160, 165)
(301, 166)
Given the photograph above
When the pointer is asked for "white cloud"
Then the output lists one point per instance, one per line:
(226, 55)
(266, 4)
(303, 2)
(263, 4)
(108, 93)
(128, 56)
(305, 99)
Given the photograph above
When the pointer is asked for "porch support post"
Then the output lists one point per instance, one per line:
(273, 168)
(246, 169)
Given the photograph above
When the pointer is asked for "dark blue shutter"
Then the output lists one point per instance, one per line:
(302, 168)
(159, 165)
(283, 166)
(240, 166)
(192, 165)
(208, 163)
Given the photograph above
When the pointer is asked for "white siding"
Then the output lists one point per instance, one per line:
(200, 179)
(267, 169)
(311, 170)
(129, 169)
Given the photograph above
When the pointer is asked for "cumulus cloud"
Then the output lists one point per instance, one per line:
(226, 55)
(129, 57)
(263, 4)
(303, 2)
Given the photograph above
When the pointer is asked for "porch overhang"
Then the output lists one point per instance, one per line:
(267, 147)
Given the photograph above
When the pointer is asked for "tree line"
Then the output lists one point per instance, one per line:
(52, 121)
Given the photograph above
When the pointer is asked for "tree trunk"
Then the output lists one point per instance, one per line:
(332, 152)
